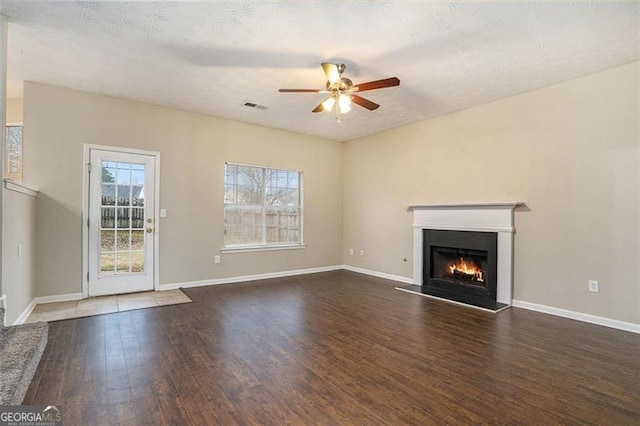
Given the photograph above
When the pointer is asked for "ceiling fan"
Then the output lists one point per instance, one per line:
(342, 91)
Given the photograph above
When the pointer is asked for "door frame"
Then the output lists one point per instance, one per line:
(86, 158)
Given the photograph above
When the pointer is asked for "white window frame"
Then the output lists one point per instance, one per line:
(267, 246)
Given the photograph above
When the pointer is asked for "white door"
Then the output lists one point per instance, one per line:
(121, 222)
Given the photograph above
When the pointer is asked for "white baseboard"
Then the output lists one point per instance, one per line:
(230, 280)
(25, 313)
(59, 298)
(579, 316)
(384, 275)
(45, 299)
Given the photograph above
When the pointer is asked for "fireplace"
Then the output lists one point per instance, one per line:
(463, 253)
(460, 262)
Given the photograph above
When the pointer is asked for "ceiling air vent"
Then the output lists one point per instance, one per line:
(255, 105)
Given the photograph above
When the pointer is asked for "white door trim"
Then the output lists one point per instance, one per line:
(86, 156)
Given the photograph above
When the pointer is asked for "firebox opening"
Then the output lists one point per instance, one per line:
(459, 266)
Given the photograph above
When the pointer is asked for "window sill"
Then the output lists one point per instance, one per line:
(18, 187)
(246, 249)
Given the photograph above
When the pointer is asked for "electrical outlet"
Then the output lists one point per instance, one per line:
(593, 286)
(350, 252)
(361, 252)
(216, 259)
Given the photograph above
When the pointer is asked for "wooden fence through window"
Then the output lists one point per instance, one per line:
(123, 213)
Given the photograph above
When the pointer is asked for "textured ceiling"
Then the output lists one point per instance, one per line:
(212, 57)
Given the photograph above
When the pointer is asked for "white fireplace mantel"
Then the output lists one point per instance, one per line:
(484, 217)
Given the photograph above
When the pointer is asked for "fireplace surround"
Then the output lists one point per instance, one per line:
(490, 222)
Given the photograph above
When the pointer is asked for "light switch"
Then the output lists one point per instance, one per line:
(163, 212)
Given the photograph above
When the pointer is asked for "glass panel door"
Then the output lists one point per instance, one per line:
(122, 237)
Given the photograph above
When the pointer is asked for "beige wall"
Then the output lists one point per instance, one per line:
(569, 151)
(18, 272)
(14, 110)
(193, 147)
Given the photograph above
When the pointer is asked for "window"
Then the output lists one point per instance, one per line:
(262, 207)
(13, 165)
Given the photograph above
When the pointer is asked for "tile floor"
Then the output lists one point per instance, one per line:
(105, 305)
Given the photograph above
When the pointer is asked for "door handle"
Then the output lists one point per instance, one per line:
(149, 230)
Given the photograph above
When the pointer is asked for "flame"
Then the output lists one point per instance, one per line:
(470, 268)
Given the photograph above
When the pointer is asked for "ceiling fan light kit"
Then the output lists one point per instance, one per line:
(344, 102)
(328, 103)
(342, 91)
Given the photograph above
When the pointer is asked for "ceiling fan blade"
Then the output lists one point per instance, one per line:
(331, 70)
(378, 84)
(300, 91)
(366, 103)
(320, 106)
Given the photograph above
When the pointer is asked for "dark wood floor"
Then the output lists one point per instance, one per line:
(335, 348)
